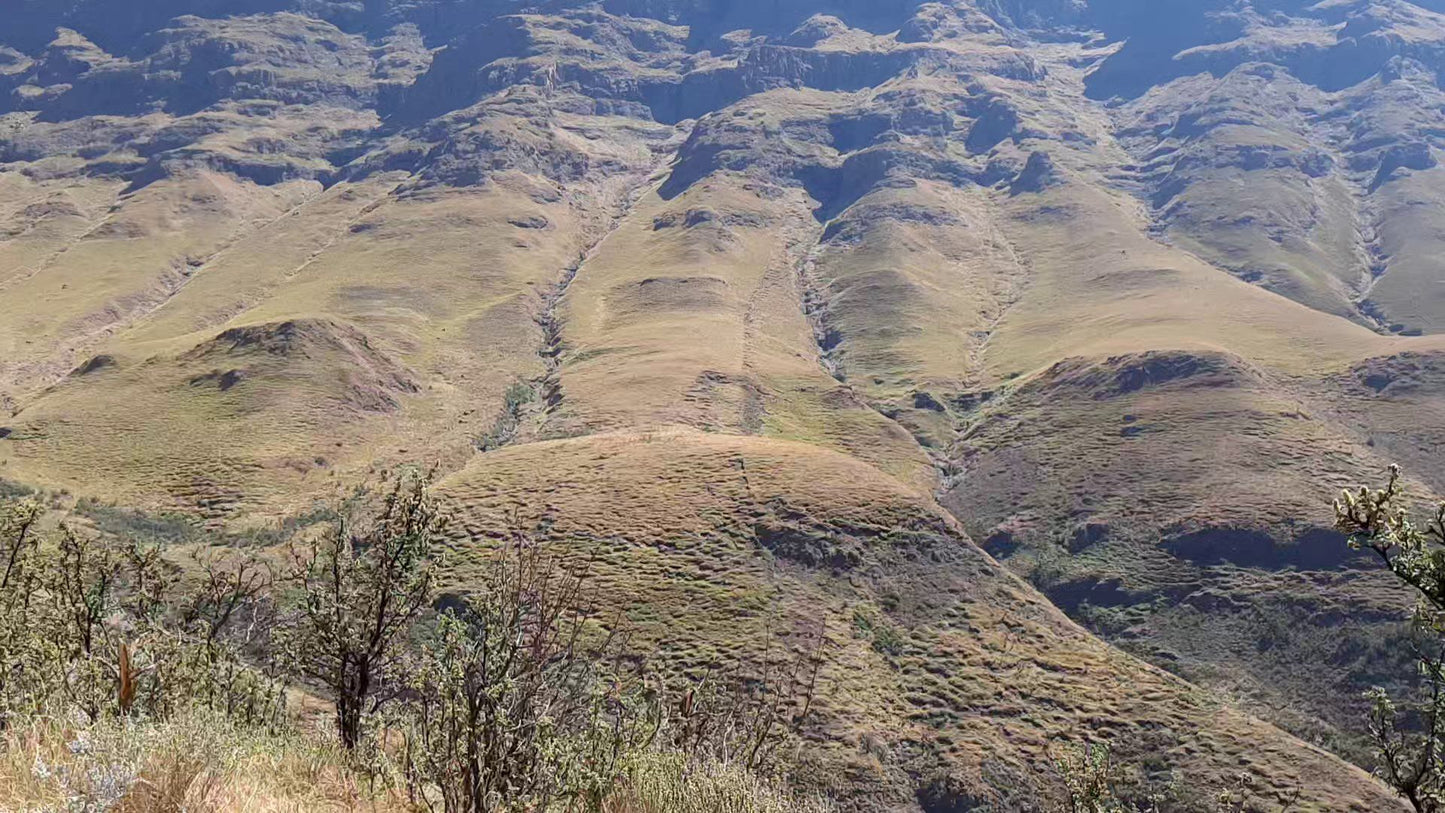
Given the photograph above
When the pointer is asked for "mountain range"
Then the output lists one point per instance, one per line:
(1021, 345)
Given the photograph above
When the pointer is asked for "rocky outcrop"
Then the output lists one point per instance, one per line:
(1038, 174)
(1123, 375)
(340, 361)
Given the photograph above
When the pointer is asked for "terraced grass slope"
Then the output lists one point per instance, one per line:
(746, 295)
(949, 684)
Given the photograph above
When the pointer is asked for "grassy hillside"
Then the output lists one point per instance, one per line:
(945, 676)
(782, 302)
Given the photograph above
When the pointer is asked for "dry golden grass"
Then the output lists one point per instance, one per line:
(1410, 292)
(660, 783)
(128, 262)
(198, 762)
(462, 319)
(690, 314)
(689, 318)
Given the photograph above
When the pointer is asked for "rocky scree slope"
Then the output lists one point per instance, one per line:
(1120, 290)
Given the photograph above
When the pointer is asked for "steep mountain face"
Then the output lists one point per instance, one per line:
(793, 299)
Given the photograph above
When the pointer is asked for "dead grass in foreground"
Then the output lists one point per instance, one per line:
(197, 762)
(201, 763)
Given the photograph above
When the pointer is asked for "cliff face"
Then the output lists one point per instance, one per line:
(1121, 290)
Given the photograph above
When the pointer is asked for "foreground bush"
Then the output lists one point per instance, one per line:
(104, 628)
(355, 595)
(526, 696)
(513, 705)
(1409, 741)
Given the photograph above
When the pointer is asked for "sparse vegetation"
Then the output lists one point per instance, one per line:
(132, 692)
(519, 702)
(9, 490)
(196, 760)
(661, 782)
(514, 404)
(105, 628)
(166, 529)
(883, 637)
(250, 249)
(1094, 782)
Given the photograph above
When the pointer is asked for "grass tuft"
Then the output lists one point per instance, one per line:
(668, 783)
(196, 762)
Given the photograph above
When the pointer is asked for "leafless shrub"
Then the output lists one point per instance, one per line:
(528, 697)
(522, 696)
(746, 718)
(355, 595)
(520, 700)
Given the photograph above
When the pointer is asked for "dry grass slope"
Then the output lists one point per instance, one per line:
(943, 670)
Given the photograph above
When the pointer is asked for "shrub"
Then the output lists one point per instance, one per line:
(102, 627)
(747, 718)
(514, 406)
(355, 595)
(1095, 783)
(1411, 758)
(524, 700)
(518, 703)
(124, 683)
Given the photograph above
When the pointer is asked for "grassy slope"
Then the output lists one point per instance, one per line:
(462, 318)
(707, 540)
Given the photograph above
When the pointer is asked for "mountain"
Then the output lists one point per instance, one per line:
(968, 320)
